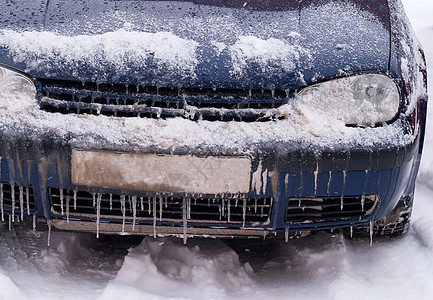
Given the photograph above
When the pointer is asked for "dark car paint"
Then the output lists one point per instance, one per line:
(391, 170)
(326, 53)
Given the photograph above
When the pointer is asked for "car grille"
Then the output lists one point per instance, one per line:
(121, 100)
(214, 209)
(307, 210)
(16, 197)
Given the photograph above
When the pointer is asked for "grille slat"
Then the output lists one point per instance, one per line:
(23, 197)
(167, 208)
(303, 210)
(160, 102)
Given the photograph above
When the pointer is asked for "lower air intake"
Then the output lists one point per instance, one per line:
(308, 210)
(166, 208)
(17, 198)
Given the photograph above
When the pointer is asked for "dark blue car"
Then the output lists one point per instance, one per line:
(210, 117)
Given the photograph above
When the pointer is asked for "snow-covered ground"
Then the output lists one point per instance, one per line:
(323, 266)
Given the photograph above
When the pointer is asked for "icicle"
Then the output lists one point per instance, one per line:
(255, 205)
(329, 183)
(154, 216)
(188, 208)
(286, 181)
(141, 204)
(68, 198)
(342, 191)
(160, 207)
(34, 223)
(1, 202)
(123, 209)
(363, 190)
(150, 205)
(316, 173)
(261, 212)
(94, 199)
(10, 223)
(228, 210)
(236, 201)
(13, 201)
(222, 207)
(21, 189)
(28, 201)
(286, 235)
(98, 214)
(371, 233)
(134, 211)
(244, 211)
(111, 201)
(185, 221)
(61, 201)
(351, 232)
(75, 199)
(49, 232)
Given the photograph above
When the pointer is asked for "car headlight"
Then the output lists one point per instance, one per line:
(15, 84)
(362, 100)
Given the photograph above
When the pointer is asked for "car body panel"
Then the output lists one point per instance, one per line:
(220, 49)
(220, 46)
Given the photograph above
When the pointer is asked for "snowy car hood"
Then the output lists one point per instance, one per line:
(206, 43)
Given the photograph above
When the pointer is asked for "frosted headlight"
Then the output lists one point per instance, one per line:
(363, 100)
(15, 84)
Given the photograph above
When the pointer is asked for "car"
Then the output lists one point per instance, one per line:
(210, 118)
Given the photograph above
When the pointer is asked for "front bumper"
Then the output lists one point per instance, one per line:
(335, 185)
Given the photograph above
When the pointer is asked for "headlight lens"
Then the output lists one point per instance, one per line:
(363, 100)
(14, 84)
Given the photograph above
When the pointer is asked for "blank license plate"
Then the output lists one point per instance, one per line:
(161, 173)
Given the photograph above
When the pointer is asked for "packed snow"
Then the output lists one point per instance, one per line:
(270, 53)
(322, 266)
(119, 50)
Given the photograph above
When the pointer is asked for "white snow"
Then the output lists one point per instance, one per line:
(271, 53)
(118, 49)
(323, 266)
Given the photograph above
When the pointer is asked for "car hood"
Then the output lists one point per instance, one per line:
(271, 44)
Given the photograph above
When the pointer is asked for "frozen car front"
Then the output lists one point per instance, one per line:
(210, 118)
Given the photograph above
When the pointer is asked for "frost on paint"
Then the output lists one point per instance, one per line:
(412, 62)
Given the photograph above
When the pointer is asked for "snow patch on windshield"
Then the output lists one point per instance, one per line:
(267, 54)
(119, 50)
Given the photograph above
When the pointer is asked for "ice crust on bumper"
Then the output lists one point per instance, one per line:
(23, 118)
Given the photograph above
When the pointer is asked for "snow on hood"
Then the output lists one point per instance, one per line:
(115, 50)
(187, 44)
